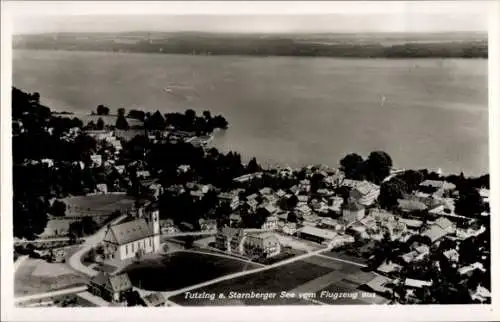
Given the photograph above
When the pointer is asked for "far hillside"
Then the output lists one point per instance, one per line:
(366, 45)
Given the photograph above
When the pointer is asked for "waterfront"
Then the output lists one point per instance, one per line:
(424, 113)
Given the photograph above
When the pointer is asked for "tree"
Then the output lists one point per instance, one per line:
(351, 165)
(121, 111)
(121, 122)
(469, 203)
(156, 122)
(390, 192)
(190, 116)
(253, 166)
(412, 179)
(207, 115)
(378, 166)
(102, 110)
(100, 124)
(58, 208)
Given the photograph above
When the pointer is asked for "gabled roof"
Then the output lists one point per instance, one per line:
(114, 283)
(417, 283)
(130, 231)
(434, 233)
(443, 222)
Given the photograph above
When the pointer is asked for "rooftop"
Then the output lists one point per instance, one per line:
(322, 233)
(130, 231)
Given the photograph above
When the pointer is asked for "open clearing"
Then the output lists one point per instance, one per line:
(32, 279)
(181, 269)
(78, 206)
(310, 275)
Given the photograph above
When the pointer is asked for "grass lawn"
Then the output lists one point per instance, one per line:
(36, 276)
(78, 206)
(181, 269)
(276, 280)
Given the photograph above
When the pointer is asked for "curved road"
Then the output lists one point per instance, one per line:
(75, 261)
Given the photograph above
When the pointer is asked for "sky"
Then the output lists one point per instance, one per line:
(281, 17)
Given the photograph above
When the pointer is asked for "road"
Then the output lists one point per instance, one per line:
(39, 296)
(75, 261)
(43, 240)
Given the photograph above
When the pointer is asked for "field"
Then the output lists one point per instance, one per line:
(311, 275)
(182, 269)
(276, 280)
(37, 276)
(79, 206)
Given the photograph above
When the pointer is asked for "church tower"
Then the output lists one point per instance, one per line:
(155, 225)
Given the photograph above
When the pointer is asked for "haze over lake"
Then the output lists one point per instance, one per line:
(426, 113)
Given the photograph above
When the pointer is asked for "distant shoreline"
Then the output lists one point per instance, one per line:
(335, 46)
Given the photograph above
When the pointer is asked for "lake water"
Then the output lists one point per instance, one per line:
(425, 113)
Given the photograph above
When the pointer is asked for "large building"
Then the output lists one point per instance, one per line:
(353, 212)
(133, 238)
(262, 245)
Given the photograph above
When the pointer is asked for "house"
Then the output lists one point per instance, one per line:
(396, 229)
(248, 177)
(111, 288)
(230, 239)
(207, 224)
(353, 212)
(365, 193)
(167, 226)
(252, 204)
(143, 174)
(469, 232)
(446, 225)
(341, 240)
(99, 135)
(470, 268)
(485, 195)
(120, 168)
(271, 223)
(359, 229)
(290, 228)
(481, 294)
(280, 193)
(262, 245)
(414, 283)
(196, 194)
(155, 299)
(412, 224)
(452, 255)
(48, 162)
(183, 168)
(388, 268)
(101, 188)
(335, 204)
(234, 220)
(231, 199)
(266, 191)
(316, 234)
(133, 238)
(433, 186)
(379, 284)
(303, 198)
(303, 210)
(410, 205)
(435, 233)
(96, 160)
(294, 189)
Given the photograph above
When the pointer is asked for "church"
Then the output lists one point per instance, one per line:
(135, 237)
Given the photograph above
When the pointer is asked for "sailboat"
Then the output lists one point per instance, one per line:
(382, 100)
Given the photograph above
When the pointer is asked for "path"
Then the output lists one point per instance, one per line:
(44, 240)
(75, 261)
(223, 256)
(342, 260)
(39, 296)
